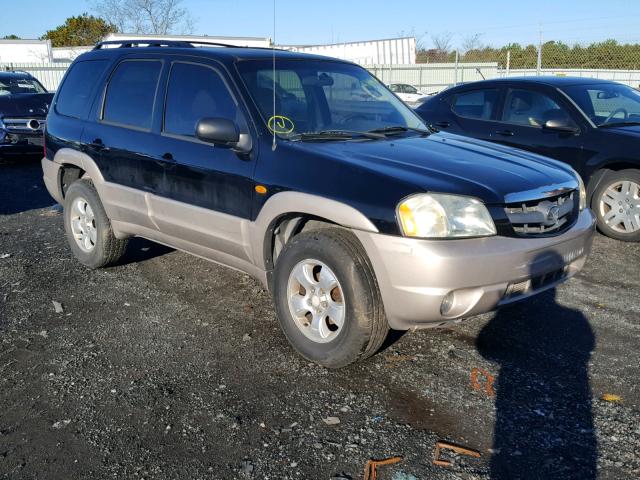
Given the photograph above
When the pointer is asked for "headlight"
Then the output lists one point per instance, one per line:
(435, 215)
(583, 193)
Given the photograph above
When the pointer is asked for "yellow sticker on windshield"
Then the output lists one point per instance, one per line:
(280, 124)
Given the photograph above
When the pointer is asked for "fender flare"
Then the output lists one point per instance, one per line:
(298, 203)
(68, 156)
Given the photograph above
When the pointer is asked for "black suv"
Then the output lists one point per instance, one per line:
(24, 103)
(309, 174)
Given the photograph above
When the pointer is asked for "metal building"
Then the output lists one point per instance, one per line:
(391, 51)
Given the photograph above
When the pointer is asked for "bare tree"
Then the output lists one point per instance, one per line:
(442, 42)
(472, 42)
(420, 43)
(155, 17)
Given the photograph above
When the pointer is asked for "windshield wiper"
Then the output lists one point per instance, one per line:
(619, 124)
(396, 129)
(328, 135)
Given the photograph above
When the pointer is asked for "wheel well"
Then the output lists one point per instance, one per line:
(598, 175)
(284, 228)
(68, 175)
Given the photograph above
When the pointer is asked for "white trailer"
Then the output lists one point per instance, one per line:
(391, 51)
(25, 51)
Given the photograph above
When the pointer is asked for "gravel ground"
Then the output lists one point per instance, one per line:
(171, 367)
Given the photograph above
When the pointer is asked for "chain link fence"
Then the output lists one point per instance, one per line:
(438, 70)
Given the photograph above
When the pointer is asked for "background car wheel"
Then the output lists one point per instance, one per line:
(616, 203)
(327, 298)
(88, 228)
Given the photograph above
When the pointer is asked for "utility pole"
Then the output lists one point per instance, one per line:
(539, 65)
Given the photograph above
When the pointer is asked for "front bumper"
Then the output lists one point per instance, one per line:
(12, 144)
(21, 148)
(475, 275)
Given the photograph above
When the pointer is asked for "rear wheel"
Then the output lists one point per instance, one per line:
(88, 228)
(327, 298)
(616, 203)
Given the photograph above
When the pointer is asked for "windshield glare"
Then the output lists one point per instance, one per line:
(607, 103)
(320, 96)
(12, 86)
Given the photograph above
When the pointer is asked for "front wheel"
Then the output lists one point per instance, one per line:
(616, 203)
(327, 298)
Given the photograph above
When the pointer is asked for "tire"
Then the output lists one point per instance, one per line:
(101, 248)
(618, 191)
(364, 327)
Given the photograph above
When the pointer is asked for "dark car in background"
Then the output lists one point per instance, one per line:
(24, 103)
(593, 125)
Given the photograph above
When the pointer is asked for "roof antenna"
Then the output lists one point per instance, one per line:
(273, 47)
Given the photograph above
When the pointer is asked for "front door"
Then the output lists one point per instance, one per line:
(522, 120)
(205, 193)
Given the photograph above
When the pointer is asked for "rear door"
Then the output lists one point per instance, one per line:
(205, 191)
(471, 112)
(521, 124)
(122, 141)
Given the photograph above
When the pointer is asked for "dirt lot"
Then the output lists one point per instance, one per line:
(171, 367)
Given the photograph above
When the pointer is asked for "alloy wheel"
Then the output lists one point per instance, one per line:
(316, 300)
(620, 206)
(83, 224)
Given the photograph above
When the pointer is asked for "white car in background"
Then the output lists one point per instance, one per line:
(408, 93)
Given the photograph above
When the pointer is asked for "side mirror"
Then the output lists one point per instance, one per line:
(218, 130)
(561, 125)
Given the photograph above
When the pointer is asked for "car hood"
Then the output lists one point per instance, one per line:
(447, 163)
(629, 130)
(25, 104)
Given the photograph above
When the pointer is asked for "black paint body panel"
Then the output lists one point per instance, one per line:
(372, 176)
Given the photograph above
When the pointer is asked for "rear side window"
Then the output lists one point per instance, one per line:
(196, 92)
(477, 104)
(75, 95)
(131, 93)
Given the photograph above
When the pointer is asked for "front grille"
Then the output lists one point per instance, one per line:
(25, 126)
(544, 217)
(532, 285)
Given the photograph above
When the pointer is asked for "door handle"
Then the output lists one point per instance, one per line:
(166, 161)
(442, 124)
(98, 145)
(505, 133)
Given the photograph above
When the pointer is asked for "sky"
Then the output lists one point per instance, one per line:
(333, 21)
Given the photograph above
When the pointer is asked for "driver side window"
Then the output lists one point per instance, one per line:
(195, 92)
(531, 109)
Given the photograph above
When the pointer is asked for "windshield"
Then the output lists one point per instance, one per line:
(313, 97)
(607, 103)
(11, 86)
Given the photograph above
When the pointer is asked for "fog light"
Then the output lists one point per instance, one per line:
(447, 304)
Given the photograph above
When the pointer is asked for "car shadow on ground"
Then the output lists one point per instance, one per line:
(141, 250)
(544, 425)
(21, 186)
